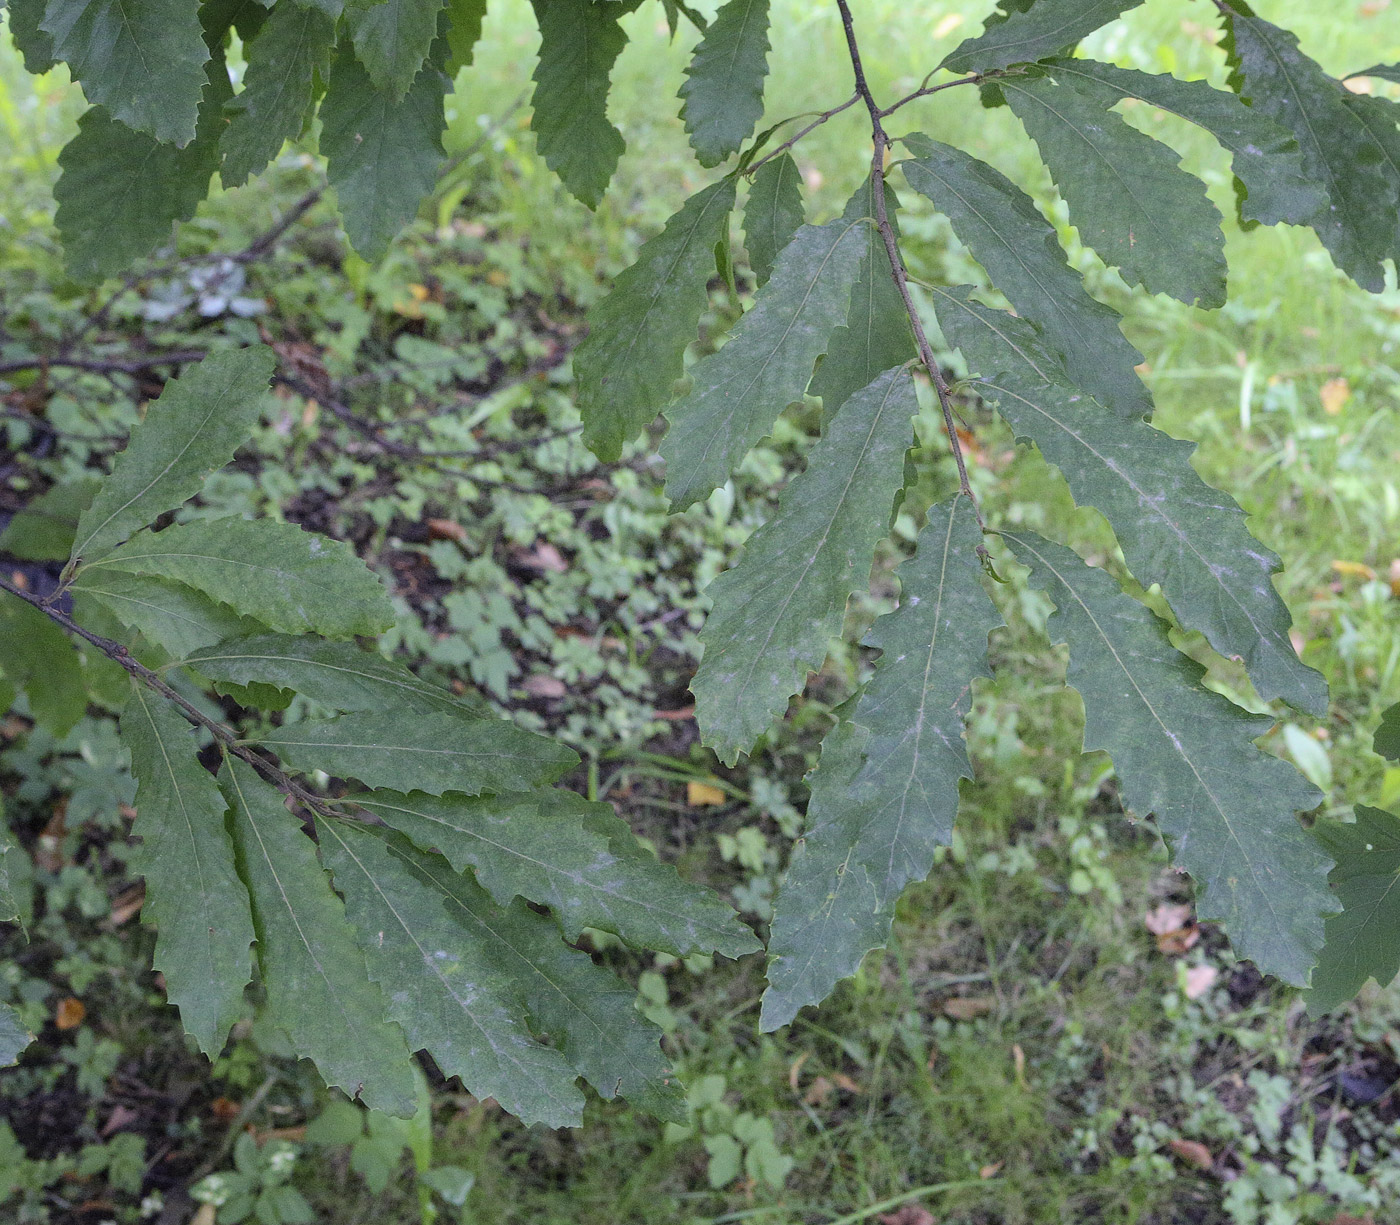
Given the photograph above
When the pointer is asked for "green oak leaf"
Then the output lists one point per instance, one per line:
(723, 91)
(436, 752)
(36, 656)
(876, 334)
(1017, 246)
(44, 528)
(9, 903)
(588, 1013)
(1174, 529)
(1127, 194)
(286, 58)
(194, 897)
(772, 214)
(318, 991)
(1185, 754)
(557, 849)
(34, 43)
(1359, 227)
(737, 393)
(14, 1038)
(143, 61)
(1028, 32)
(1363, 941)
(632, 356)
(194, 428)
(176, 618)
(1386, 72)
(443, 987)
(777, 608)
(1265, 156)
(382, 153)
(1387, 736)
(392, 39)
(886, 792)
(465, 18)
(121, 190)
(579, 42)
(335, 674)
(290, 580)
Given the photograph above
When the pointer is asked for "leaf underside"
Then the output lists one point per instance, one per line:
(886, 792)
(772, 214)
(557, 849)
(737, 393)
(776, 609)
(1186, 755)
(1174, 529)
(1031, 32)
(194, 897)
(632, 356)
(1017, 246)
(723, 91)
(1127, 194)
(318, 991)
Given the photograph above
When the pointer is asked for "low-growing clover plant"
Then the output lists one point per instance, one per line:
(429, 901)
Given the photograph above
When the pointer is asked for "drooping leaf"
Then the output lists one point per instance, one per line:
(290, 580)
(44, 529)
(1174, 529)
(37, 657)
(392, 38)
(1127, 194)
(1387, 736)
(290, 52)
(173, 617)
(738, 392)
(335, 674)
(14, 1038)
(194, 898)
(1186, 755)
(34, 43)
(382, 154)
(318, 991)
(723, 91)
(194, 427)
(876, 334)
(887, 790)
(141, 60)
(1386, 72)
(1363, 941)
(1360, 226)
(773, 213)
(587, 1013)
(1265, 156)
(465, 19)
(777, 608)
(632, 355)
(442, 986)
(121, 190)
(1031, 32)
(434, 752)
(1016, 245)
(558, 849)
(579, 42)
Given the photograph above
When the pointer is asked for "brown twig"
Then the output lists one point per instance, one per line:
(926, 89)
(261, 245)
(811, 127)
(98, 365)
(226, 737)
(901, 279)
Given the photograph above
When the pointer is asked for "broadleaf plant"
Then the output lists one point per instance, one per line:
(461, 872)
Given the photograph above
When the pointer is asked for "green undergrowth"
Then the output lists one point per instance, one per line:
(1026, 1048)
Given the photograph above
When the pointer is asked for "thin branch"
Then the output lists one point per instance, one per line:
(901, 279)
(926, 89)
(225, 736)
(98, 365)
(262, 245)
(816, 123)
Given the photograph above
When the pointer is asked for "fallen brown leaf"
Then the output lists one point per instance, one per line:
(542, 685)
(121, 1116)
(796, 1068)
(1193, 1152)
(1199, 980)
(447, 529)
(845, 1083)
(990, 1171)
(818, 1091)
(225, 1109)
(908, 1214)
(1336, 392)
(699, 795)
(1167, 918)
(127, 904)
(70, 1013)
(968, 1007)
